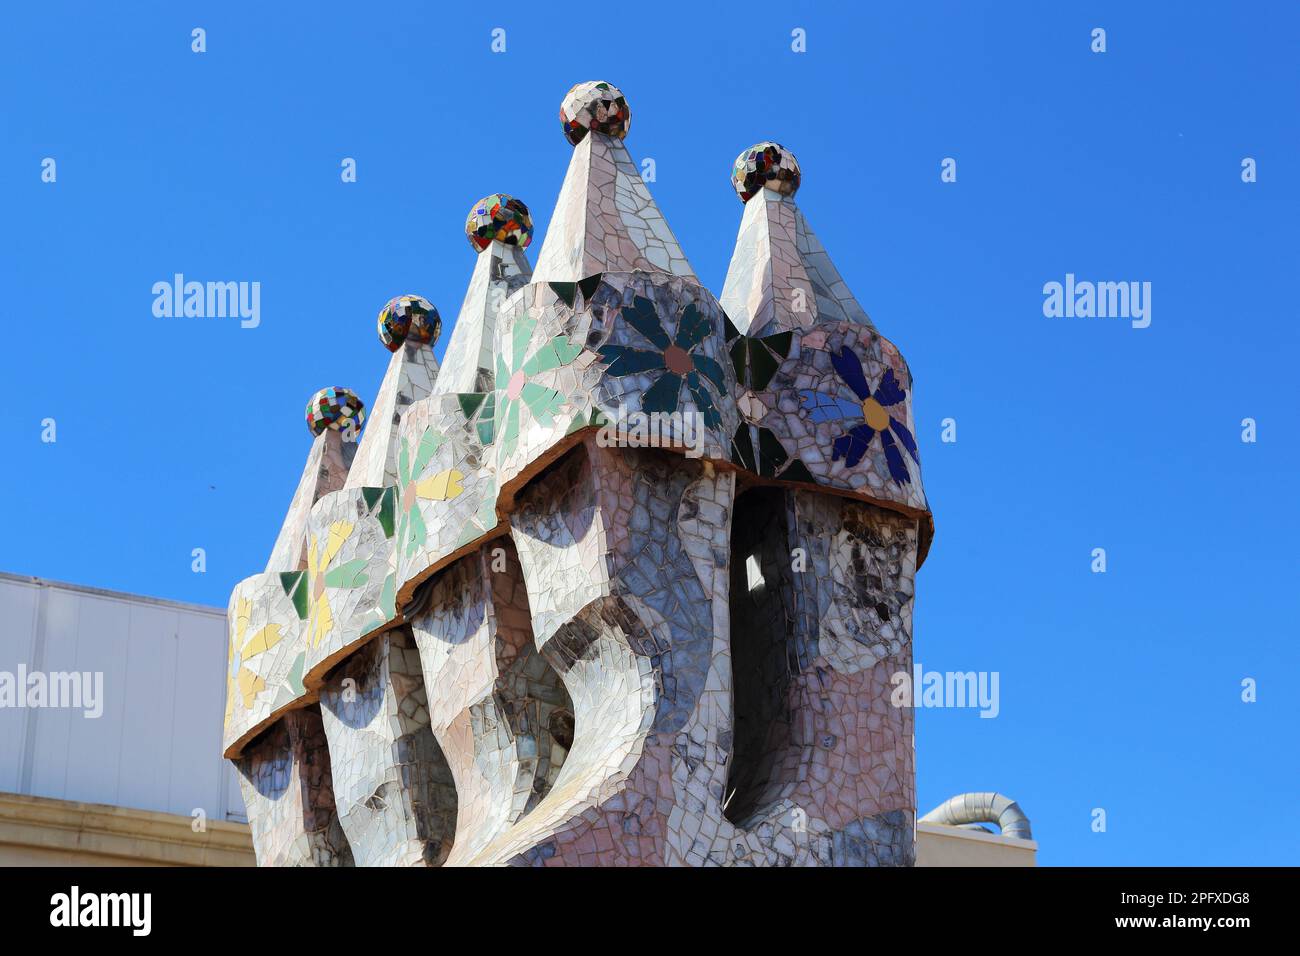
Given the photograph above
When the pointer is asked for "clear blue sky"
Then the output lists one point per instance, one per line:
(1118, 690)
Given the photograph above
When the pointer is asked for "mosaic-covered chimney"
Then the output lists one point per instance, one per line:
(624, 582)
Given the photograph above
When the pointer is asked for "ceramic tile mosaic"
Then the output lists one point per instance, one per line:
(268, 612)
(499, 218)
(606, 220)
(467, 365)
(270, 730)
(816, 727)
(616, 344)
(535, 641)
(326, 470)
(352, 533)
(408, 318)
(335, 407)
(345, 592)
(837, 409)
(395, 794)
(411, 374)
(289, 795)
(597, 107)
(780, 276)
(765, 166)
(348, 584)
(446, 490)
(266, 658)
(504, 719)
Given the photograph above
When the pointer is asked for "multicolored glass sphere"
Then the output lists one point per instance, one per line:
(765, 165)
(335, 407)
(408, 318)
(595, 106)
(499, 217)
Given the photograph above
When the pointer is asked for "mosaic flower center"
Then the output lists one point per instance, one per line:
(318, 586)
(874, 414)
(516, 385)
(678, 360)
(408, 496)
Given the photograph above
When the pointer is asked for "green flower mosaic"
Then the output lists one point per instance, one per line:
(442, 486)
(515, 386)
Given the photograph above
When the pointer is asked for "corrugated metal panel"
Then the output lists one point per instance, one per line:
(157, 744)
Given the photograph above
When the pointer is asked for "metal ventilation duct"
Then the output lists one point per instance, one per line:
(975, 808)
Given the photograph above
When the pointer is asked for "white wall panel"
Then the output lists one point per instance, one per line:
(102, 642)
(18, 606)
(148, 694)
(157, 745)
(50, 729)
(195, 741)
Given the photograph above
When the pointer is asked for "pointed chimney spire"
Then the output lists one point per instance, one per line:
(500, 229)
(408, 327)
(335, 416)
(605, 219)
(780, 277)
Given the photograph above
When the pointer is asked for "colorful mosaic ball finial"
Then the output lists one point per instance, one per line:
(597, 107)
(765, 165)
(335, 407)
(500, 217)
(408, 318)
